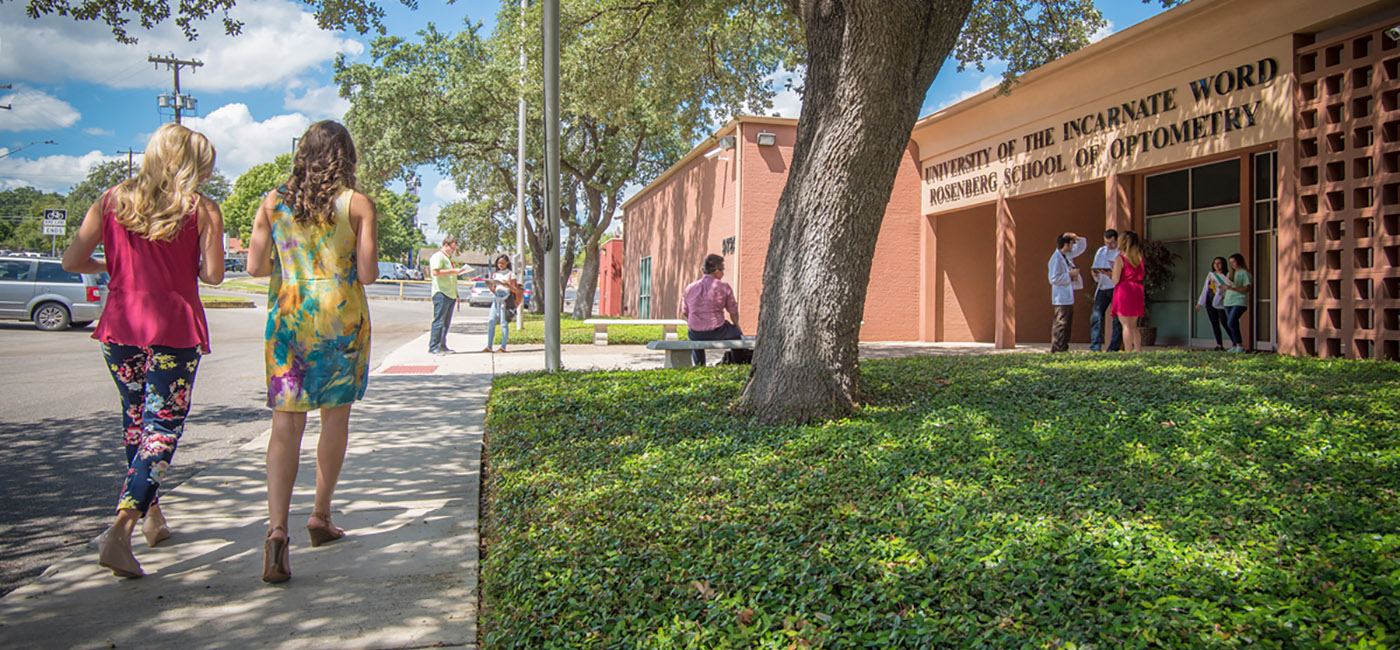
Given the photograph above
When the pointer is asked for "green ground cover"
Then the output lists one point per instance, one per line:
(575, 331)
(245, 284)
(1173, 499)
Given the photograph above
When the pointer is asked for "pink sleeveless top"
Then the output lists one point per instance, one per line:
(153, 294)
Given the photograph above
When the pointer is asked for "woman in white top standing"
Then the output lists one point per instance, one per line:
(1213, 297)
(503, 285)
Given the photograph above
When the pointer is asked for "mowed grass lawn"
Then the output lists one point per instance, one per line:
(1160, 500)
(576, 331)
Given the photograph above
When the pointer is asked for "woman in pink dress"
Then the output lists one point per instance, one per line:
(160, 237)
(1129, 299)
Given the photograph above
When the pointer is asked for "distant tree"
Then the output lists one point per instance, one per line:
(242, 202)
(217, 188)
(20, 211)
(399, 237)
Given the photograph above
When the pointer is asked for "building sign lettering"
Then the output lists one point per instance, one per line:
(1212, 110)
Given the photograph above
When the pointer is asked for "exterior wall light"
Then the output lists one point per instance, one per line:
(766, 139)
(726, 142)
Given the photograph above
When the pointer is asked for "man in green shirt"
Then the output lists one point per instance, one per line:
(444, 294)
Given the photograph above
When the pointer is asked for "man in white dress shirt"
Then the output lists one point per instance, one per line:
(1064, 281)
(1103, 296)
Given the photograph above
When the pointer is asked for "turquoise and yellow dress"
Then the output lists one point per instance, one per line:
(317, 345)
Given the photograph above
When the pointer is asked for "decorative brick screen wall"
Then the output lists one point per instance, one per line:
(1349, 195)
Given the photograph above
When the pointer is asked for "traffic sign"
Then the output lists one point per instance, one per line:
(55, 218)
(59, 230)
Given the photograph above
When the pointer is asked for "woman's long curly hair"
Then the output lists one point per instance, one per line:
(156, 201)
(324, 165)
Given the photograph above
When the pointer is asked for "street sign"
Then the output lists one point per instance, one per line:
(59, 230)
(55, 218)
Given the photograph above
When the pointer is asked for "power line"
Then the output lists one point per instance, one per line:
(130, 160)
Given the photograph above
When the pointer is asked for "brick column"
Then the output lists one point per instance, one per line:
(1288, 309)
(1117, 211)
(1006, 277)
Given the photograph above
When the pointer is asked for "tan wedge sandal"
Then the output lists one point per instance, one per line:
(277, 560)
(323, 534)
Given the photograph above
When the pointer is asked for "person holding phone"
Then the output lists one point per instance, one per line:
(1064, 281)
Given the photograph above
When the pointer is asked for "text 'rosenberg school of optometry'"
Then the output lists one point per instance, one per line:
(1270, 128)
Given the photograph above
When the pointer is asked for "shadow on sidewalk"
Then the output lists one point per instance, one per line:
(404, 576)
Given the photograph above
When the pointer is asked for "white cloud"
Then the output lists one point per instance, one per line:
(279, 41)
(317, 102)
(92, 130)
(987, 82)
(788, 102)
(1103, 32)
(446, 191)
(48, 173)
(33, 110)
(242, 142)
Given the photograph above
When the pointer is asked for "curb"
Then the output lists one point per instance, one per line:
(228, 304)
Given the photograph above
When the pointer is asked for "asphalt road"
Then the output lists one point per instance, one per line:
(60, 419)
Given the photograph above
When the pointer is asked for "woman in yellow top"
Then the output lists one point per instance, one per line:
(325, 235)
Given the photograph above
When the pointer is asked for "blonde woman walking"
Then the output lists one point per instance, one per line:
(326, 239)
(160, 236)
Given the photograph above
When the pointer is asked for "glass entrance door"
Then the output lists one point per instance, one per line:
(1194, 213)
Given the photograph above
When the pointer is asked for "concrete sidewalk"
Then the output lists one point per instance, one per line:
(405, 575)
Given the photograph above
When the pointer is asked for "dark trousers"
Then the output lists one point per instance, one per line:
(155, 384)
(1217, 320)
(1059, 332)
(726, 332)
(442, 319)
(1103, 299)
(1232, 323)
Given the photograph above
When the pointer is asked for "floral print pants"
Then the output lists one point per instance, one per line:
(155, 384)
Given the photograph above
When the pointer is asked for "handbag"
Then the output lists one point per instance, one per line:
(510, 308)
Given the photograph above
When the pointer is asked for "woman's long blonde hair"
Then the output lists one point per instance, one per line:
(324, 165)
(155, 202)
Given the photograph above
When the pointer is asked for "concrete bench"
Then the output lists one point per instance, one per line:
(600, 327)
(678, 352)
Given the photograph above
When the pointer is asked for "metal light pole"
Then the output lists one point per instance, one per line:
(520, 173)
(551, 184)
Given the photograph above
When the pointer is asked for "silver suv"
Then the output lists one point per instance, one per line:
(41, 291)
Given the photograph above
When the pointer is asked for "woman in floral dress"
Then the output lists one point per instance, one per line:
(160, 236)
(318, 240)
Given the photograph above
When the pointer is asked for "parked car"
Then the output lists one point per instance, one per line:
(40, 290)
(415, 274)
(481, 295)
(529, 290)
(233, 264)
(392, 271)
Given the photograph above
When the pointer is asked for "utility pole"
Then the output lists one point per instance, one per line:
(552, 296)
(179, 102)
(520, 176)
(130, 160)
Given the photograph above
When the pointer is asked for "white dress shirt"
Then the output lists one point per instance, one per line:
(1104, 260)
(1062, 287)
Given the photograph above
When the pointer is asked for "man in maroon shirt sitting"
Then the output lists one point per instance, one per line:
(703, 305)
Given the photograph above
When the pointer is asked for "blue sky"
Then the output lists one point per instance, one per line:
(74, 85)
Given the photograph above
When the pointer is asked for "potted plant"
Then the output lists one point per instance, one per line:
(1158, 270)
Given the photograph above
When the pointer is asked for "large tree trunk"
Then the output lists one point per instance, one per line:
(869, 65)
(587, 282)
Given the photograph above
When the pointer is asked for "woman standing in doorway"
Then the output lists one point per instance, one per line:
(160, 236)
(1237, 300)
(325, 236)
(1129, 299)
(1213, 297)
